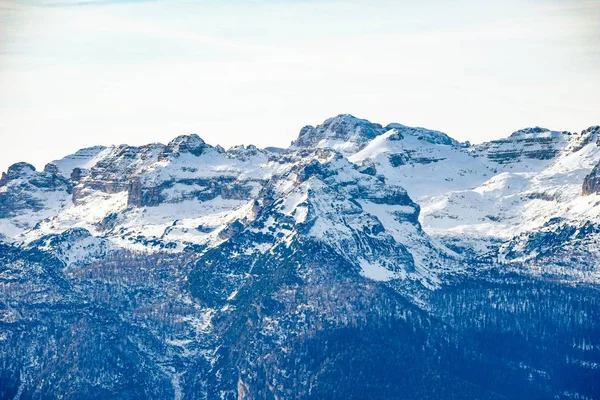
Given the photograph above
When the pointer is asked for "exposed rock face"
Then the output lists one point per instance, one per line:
(23, 189)
(184, 144)
(362, 262)
(156, 174)
(51, 168)
(226, 188)
(427, 135)
(191, 177)
(16, 171)
(345, 133)
(560, 247)
(134, 193)
(77, 174)
(479, 185)
(244, 153)
(591, 183)
(530, 143)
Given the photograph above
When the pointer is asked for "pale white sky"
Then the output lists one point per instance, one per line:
(76, 73)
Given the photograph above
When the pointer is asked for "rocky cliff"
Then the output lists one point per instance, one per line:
(365, 261)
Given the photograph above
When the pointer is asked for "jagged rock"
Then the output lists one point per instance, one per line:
(134, 193)
(368, 169)
(16, 171)
(591, 183)
(242, 152)
(24, 189)
(427, 135)
(191, 144)
(529, 143)
(344, 133)
(362, 262)
(396, 136)
(232, 229)
(51, 168)
(77, 174)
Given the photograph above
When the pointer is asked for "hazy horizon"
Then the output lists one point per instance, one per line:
(79, 73)
(39, 164)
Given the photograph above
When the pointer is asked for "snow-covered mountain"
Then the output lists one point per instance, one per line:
(474, 200)
(222, 272)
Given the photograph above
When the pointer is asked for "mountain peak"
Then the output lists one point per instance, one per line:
(17, 170)
(228, 272)
(428, 135)
(191, 140)
(192, 144)
(530, 131)
(344, 133)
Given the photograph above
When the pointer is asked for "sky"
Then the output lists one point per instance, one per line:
(77, 73)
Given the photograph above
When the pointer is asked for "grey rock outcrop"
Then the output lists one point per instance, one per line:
(591, 183)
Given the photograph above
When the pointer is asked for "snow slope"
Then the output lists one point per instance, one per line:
(470, 201)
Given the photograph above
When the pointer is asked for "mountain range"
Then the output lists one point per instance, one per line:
(363, 261)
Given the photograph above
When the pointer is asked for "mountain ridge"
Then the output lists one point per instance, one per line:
(362, 262)
(429, 164)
